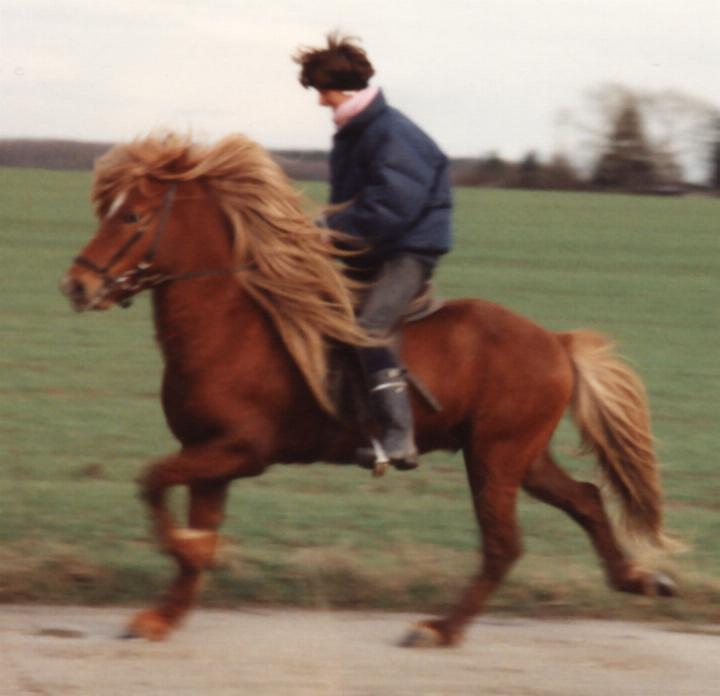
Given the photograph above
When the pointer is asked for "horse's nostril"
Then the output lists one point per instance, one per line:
(74, 290)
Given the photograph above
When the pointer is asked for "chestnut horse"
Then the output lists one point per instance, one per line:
(248, 295)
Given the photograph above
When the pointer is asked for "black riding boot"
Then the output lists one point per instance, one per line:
(391, 408)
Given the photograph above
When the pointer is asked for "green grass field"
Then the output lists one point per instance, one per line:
(79, 416)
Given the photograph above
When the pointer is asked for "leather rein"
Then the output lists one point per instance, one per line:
(141, 277)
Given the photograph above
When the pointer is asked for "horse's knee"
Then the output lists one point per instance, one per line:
(147, 486)
(152, 484)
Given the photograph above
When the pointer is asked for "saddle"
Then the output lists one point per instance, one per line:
(346, 380)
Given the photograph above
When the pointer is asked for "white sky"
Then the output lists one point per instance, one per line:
(479, 75)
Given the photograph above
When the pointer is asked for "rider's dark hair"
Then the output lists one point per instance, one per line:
(342, 65)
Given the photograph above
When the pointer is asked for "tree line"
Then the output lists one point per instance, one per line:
(624, 140)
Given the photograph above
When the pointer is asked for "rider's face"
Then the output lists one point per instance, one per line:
(332, 97)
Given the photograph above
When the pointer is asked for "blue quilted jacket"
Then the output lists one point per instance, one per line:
(397, 180)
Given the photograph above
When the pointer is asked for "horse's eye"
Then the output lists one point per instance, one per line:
(130, 217)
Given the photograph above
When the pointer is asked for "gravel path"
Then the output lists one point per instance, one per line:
(55, 651)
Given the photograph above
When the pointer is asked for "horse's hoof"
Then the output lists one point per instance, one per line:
(664, 586)
(423, 636)
(148, 625)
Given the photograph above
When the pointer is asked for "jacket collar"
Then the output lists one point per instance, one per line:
(353, 106)
(368, 114)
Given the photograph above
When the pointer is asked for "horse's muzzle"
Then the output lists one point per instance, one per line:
(81, 297)
(74, 290)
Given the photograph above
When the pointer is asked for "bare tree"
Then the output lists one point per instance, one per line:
(627, 160)
(682, 128)
(675, 130)
(714, 178)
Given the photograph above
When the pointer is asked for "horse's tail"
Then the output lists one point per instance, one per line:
(610, 409)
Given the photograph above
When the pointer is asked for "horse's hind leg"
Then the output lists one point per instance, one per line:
(546, 481)
(495, 478)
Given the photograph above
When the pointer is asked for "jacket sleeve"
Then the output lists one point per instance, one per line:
(399, 181)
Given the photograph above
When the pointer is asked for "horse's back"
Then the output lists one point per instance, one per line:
(478, 330)
(479, 357)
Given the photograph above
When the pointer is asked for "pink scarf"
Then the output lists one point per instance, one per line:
(353, 106)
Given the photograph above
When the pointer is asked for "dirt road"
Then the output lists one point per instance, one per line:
(51, 651)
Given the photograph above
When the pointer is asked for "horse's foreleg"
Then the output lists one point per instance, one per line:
(193, 548)
(582, 502)
(207, 475)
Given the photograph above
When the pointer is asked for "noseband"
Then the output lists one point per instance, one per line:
(137, 278)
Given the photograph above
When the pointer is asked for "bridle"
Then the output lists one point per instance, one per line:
(137, 278)
(141, 276)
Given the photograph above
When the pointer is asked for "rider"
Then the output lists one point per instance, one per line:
(396, 184)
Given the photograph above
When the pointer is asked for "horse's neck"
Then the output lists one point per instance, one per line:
(202, 318)
(195, 319)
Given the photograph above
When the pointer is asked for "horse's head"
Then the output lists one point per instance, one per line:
(120, 259)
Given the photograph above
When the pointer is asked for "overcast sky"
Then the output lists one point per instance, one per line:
(479, 75)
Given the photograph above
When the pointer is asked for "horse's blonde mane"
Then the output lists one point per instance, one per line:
(293, 273)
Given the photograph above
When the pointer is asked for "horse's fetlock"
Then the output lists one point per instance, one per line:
(194, 547)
